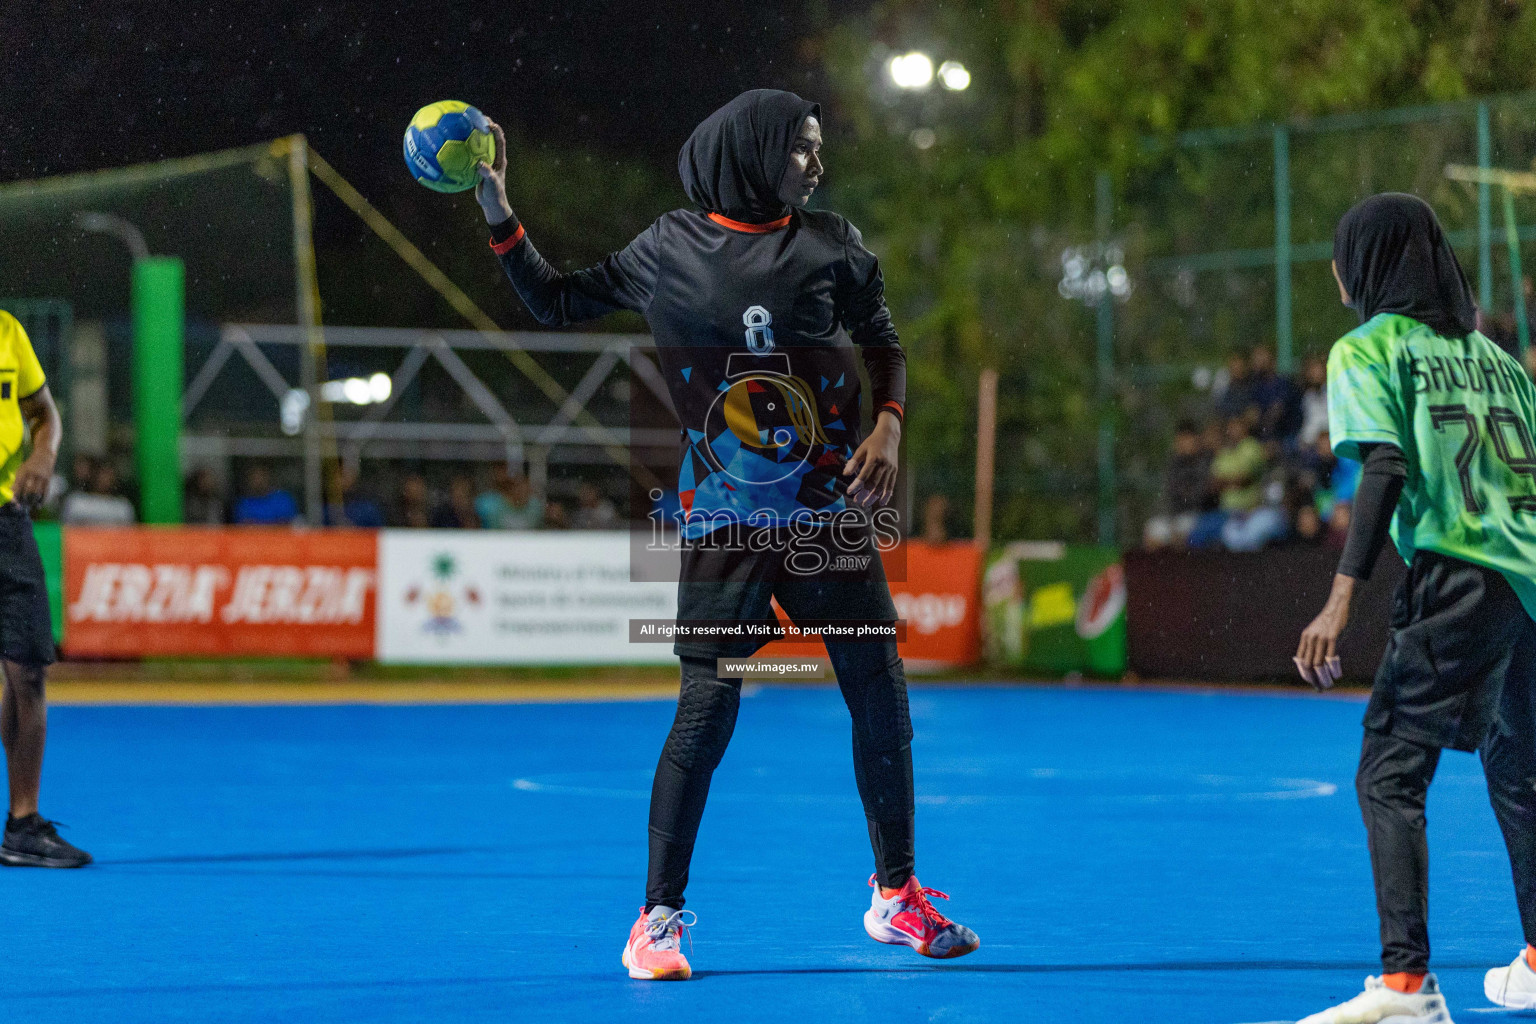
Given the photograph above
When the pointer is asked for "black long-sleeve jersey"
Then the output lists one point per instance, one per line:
(755, 326)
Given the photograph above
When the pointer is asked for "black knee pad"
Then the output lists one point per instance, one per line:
(706, 717)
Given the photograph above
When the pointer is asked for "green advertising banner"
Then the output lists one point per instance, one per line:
(1055, 608)
(50, 544)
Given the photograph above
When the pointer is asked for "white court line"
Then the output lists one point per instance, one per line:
(1505, 1010)
(1291, 789)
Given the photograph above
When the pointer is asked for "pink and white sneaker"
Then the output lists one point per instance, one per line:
(908, 919)
(653, 952)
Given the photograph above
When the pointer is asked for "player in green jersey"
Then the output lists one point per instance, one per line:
(1444, 422)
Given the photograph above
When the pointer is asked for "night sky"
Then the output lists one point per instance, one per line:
(99, 84)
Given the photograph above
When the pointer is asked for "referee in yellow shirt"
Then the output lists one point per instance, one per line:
(26, 632)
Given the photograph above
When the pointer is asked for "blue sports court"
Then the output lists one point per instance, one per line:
(1124, 855)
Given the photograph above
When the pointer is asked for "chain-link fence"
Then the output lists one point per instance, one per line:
(1227, 236)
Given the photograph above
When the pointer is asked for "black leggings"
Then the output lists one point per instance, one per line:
(1392, 783)
(875, 690)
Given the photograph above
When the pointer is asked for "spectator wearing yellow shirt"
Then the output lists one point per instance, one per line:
(1238, 470)
(26, 631)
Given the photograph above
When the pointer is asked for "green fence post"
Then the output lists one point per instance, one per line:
(1108, 499)
(159, 293)
(1282, 140)
(1484, 212)
(1516, 275)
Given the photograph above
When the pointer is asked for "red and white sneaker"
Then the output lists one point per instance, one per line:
(908, 919)
(653, 952)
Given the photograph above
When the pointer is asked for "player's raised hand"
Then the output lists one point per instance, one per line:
(491, 191)
(1317, 658)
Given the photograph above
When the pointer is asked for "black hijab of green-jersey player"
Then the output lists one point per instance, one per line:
(1393, 258)
(734, 160)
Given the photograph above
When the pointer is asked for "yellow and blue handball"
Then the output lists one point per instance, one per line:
(443, 144)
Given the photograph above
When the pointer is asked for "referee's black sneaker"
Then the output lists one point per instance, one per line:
(33, 842)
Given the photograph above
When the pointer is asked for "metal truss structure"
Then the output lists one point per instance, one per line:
(314, 433)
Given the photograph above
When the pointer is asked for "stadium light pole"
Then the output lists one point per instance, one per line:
(1103, 202)
(1095, 274)
(159, 314)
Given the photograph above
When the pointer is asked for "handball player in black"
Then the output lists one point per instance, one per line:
(758, 306)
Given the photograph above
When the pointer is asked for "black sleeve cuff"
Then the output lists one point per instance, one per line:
(506, 234)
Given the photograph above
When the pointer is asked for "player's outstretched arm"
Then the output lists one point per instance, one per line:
(624, 280)
(34, 475)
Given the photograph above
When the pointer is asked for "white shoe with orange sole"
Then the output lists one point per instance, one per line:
(654, 950)
(908, 919)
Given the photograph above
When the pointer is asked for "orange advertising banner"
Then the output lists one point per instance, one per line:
(248, 590)
(937, 599)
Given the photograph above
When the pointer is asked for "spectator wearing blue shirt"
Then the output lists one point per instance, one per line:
(264, 504)
(357, 507)
(1275, 397)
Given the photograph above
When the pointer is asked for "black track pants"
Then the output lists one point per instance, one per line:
(1459, 672)
(1392, 783)
(875, 690)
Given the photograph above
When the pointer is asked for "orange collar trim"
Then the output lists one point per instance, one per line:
(751, 229)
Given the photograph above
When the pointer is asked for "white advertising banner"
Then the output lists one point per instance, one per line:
(513, 598)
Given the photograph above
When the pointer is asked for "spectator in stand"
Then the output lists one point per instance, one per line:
(509, 504)
(1186, 490)
(1338, 525)
(264, 504)
(1308, 528)
(358, 508)
(1275, 397)
(556, 517)
(1501, 330)
(1233, 391)
(1314, 401)
(457, 510)
(1331, 479)
(413, 508)
(1238, 473)
(203, 502)
(593, 511)
(98, 504)
(935, 511)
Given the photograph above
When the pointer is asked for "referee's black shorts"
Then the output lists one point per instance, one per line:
(26, 629)
(1460, 637)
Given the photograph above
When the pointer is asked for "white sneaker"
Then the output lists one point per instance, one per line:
(1513, 986)
(1379, 1004)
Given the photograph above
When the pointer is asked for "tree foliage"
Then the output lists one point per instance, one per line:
(970, 229)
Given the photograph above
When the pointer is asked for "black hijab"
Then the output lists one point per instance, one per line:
(1393, 258)
(735, 158)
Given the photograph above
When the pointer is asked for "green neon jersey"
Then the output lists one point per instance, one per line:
(1464, 414)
